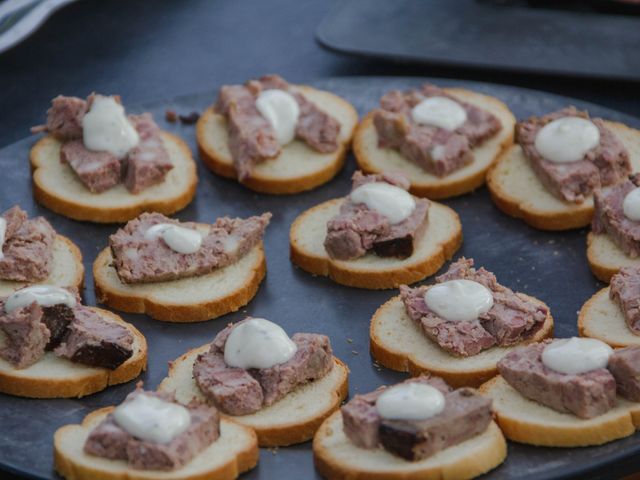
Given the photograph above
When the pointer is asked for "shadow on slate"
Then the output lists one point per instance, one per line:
(550, 266)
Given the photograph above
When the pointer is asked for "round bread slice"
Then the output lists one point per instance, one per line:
(66, 269)
(525, 421)
(192, 299)
(55, 377)
(398, 343)
(298, 167)
(373, 159)
(292, 419)
(336, 457)
(517, 191)
(441, 239)
(234, 452)
(601, 318)
(57, 187)
(605, 256)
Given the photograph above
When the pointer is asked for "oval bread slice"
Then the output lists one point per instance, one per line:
(525, 421)
(398, 343)
(57, 187)
(298, 167)
(373, 159)
(66, 271)
(441, 239)
(601, 318)
(292, 419)
(605, 257)
(191, 299)
(336, 457)
(517, 191)
(55, 377)
(234, 452)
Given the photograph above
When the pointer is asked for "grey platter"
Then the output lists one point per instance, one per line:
(550, 266)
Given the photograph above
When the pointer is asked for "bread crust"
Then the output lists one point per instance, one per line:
(467, 460)
(601, 318)
(439, 188)
(73, 466)
(278, 433)
(109, 291)
(396, 357)
(117, 212)
(599, 247)
(354, 274)
(27, 383)
(526, 421)
(219, 163)
(562, 215)
(75, 277)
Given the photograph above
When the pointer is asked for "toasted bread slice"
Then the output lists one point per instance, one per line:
(517, 191)
(442, 237)
(57, 187)
(399, 344)
(336, 457)
(606, 257)
(525, 421)
(191, 299)
(67, 269)
(293, 419)
(234, 452)
(601, 318)
(298, 167)
(373, 159)
(55, 377)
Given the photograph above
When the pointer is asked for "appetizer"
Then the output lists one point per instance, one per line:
(443, 139)
(99, 164)
(276, 137)
(458, 328)
(379, 236)
(182, 271)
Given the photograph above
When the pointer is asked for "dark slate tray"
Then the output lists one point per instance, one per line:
(551, 266)
(490, 34)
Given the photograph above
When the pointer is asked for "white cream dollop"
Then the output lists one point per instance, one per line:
(410, 401)
(459, 300)
(177, 238)
(631, 205)
(150, 418)
(105, 127)
(43, 295)
(281, 110)
(3, 234)
(441, 112)
(393, 202)
(576, 355)
(258, 343)
(567, 139)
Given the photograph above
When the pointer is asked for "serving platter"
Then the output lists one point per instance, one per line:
(549, 266)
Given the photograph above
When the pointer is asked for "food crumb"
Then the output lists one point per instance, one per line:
(355, 352)
(274, 450)
(349, 340)
(189, 119)
(171, 116)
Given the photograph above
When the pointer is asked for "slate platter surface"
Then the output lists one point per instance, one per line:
(550, 266)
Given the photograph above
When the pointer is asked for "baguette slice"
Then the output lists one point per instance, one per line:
(373, 159)
(234, 452)
(525, 421)
(517, 191)
(399, 344)
(336, 457)
(601, 318)
(442, 237)
(293, 419)
(298, 167)
(67, 269)
(605, 257)
(191, 299)
(55, 377)
(57, 187)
